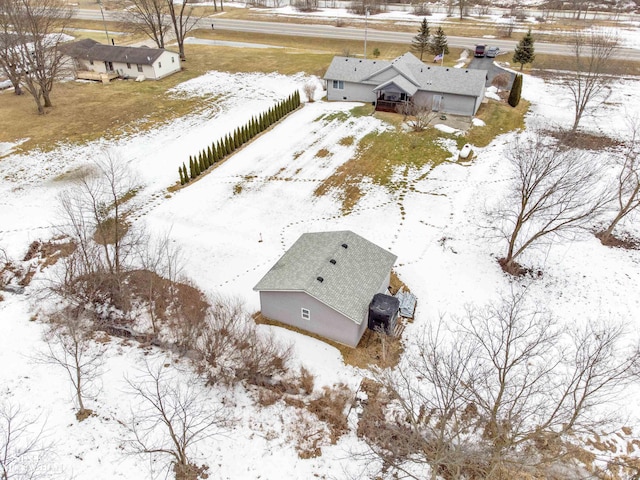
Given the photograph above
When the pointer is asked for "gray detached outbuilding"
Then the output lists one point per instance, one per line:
(324, 284)
(387, 84)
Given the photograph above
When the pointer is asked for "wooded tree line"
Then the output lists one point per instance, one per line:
(217, 151)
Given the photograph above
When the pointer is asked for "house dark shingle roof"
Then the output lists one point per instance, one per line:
(411, 74)
(351, 268)
(89, 49)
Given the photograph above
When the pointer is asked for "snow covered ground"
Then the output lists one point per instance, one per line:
(236, 221)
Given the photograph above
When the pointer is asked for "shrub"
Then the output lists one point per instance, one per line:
(516, 91)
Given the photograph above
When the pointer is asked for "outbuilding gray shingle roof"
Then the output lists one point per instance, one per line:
(432, 78)
(348, 282)
(89, 49)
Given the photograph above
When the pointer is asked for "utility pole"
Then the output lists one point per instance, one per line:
(366, 17)
(104, 22)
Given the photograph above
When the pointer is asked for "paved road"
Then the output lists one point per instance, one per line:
(352, 33)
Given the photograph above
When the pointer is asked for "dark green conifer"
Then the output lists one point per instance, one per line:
(516, 91)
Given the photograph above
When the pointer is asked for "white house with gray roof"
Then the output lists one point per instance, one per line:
(405, 79)
(324, 283)
(126, 62)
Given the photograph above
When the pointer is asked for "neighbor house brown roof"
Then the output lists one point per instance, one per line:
(89, 49)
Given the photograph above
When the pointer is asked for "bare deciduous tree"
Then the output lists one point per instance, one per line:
(70, 346)
(33, 54)
(24, 455)
(149, 17)
(183, 21)
(426, 423)
(501, 81)
(96, 212)
(505, 391)
(172, 416)
(9, 54)
(627, 183)
(162, 265)
(418, 115)
(555, 191)
(589, 82)
(232, 348)
(309, 90)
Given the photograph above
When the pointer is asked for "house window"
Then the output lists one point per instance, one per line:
(159, 64)
(139, 68)
(129, 66)
(173, 59)
(338, 84)
(90, 62)
(306, 314)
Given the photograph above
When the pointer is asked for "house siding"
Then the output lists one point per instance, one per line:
(352, 92)
(453, 104)
(286, 307)
(168, 67)
(152, 72)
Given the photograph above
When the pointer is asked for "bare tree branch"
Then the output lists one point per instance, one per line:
(627, 183)
(172, 416)
(589, 83)
(70, 346)
(33, 32)
(24, 455)
(555, 191)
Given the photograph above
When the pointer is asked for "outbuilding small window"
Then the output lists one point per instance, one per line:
(338, 84)
(173, 59)
(129, 66)
(306, 314)
(159, 64)
(139, 68)
(91, 62)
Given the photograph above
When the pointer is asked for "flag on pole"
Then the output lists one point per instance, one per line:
(438, 58)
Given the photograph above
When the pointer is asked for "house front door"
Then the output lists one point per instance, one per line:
(437, 103)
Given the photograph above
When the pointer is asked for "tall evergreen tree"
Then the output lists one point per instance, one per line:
(516, 91)
(420, 43)
(192, 170)
(181, 177)
(439, 44)
(524, 51)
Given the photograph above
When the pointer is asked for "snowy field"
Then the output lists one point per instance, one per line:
(236, 221)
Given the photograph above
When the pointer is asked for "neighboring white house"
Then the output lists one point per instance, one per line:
(324, 284)
(387, 84)
(127, 62)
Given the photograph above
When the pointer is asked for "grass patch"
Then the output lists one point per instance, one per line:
(362, 110)
(83, 112)
(543, 62)
(346, 141)
(499, 118)
(108, 232)
(379, 157)
(322, 153)
(367, 353)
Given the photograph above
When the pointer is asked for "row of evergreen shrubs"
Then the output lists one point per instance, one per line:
(217, 151)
